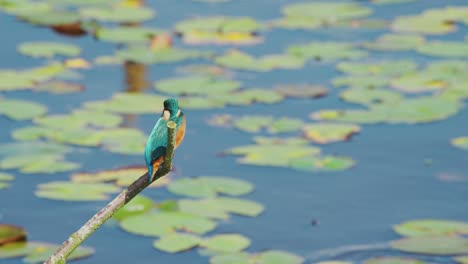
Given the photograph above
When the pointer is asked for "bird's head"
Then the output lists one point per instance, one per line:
(171, 108)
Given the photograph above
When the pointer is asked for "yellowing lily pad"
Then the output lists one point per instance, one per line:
(220, 207)
(393, 260)
(20, 109)
(431, 227)
(432, 245)
(177, 242)
(330, 132)
(227, 243)
(59, 87)
(48, 49)
(11, 233)
(163, 223)
(138, 205)
(327, 51)
(72, 191)
(460, 142)
(210, 186)
(196, 85)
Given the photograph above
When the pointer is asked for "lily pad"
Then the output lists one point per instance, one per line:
(460, 142)
(424, 24)
(322, 163)
(72, 191)
(50, 17)
(461, 260)
(380, 68)
(138, 205)
(327, 51)
(20, 109)
(252, 123)
(302, 91)
(393, 260)
(48, 49)
(129, 103)
(444, 49)
(278, 256)
(177, 242)
(226, 243)
(330, 132)
(163, 223)
(121, 176)
(11, 233)
(38, 252)
(369, 96)
(432, 245)
(5, 178)
(361, 81)
(196, 85)
(117, 14)
(220, 207)
(127, 34)
(143, 54)
(239, 60)
(231, 258)
(395, 42)
(210, 186)
(59, 87)
(431, 227)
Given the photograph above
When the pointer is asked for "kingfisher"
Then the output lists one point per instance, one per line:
(157, 141)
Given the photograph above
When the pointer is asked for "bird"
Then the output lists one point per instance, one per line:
(157, 141)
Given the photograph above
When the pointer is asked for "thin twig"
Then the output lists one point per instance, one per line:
(60, 256)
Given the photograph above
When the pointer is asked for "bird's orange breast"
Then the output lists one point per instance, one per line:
(180, 133)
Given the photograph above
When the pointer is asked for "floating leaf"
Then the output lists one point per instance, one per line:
(444, 49)
(177, 242)
(163, 223)
(431, 227)
(196, 85)
(461, 260)
(20, 109)
(330, 132)
(59, 87)
(381, 68)
(231, 258)
(165, 55)
(432, 245)
(460, 142)
(11, 233)
(238, 60)
(129, 103)
(395, 42)
(209, 186)
(252, 123)
(226, 243)
(127, 34)
(393, 260)
(138, 205)
(121, 176)
(118, 14)
(325, 163)
(327, 51)
(366, 96)
(50, 17)
(278, 256)
(48, 49)
(219, 208)
(302, 91)
(361, 81)
(425, 23)
(72, 191)
(5, 178)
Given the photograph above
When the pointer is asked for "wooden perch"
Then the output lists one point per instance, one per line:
(75, 240)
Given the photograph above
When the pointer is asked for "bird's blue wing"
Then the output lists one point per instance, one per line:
(157, 142)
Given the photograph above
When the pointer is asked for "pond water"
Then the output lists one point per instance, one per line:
(396, 178)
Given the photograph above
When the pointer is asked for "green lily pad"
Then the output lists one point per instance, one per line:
(177, 242)
(117, 14)
(226, 243)
(205, 69)
(302, 91)
(239, 60)
(231, 258)
(255, 123)
(317, 14)
(322, 163)
(48, 49)
(361, 81)
(129, 103)
(444, 49)
(127, 34)
(460, 142)
(220, 207)
(273, 153)
(138, 205)
(80, 118)
(395, 42)
(196, 85)
(252, 123)
(38, 252)
(330, 132)
(11, 233)
(59, 87)
(50, 17)
(143, 54)
(210, 186)
(20, 109)
(5, 178)
(163, 223)
(121, 176)
(381, 68)
(424, 24)
(278, 256)
(285, 124)
(327, 51)
(431, 227)
(432, 245)
(366, 96)
(26, 79)
(393, 260)
(72, 191)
